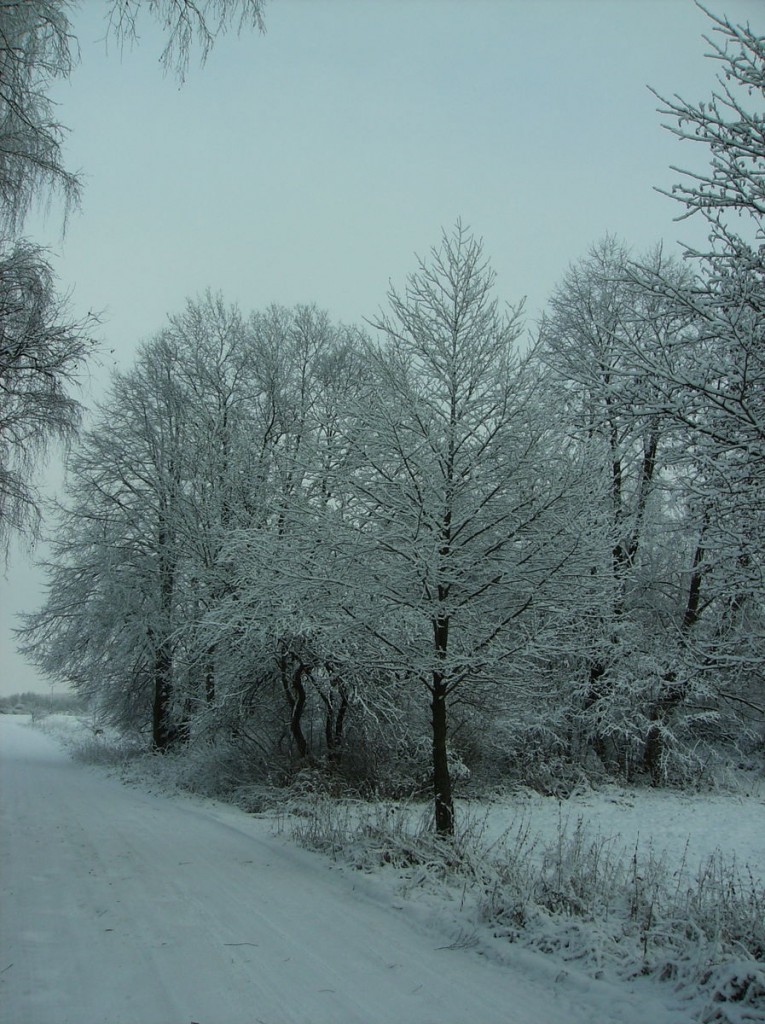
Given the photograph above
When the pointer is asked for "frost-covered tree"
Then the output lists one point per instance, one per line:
(186, 23)
(155, 487)
(216, 370)
(188, 533)
(459, 524)
(597, 319)
(730, 127)
(36, 49)
(41, 348)
(275, 625)
(42, 353)
(719, 372)
(712, 380)
(114, 603)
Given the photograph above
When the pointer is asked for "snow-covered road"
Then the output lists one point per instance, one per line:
(119, 907)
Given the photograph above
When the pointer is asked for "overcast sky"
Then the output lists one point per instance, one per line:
(311, 163)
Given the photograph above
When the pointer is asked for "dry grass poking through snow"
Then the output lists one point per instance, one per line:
(615, 912)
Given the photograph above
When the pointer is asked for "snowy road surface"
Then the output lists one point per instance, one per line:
(119, 907)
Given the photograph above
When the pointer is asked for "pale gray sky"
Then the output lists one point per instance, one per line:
(311, 163)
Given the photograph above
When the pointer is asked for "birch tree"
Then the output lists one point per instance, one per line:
(42, 354)
(187, 25)
(43, 350)
(36, 49)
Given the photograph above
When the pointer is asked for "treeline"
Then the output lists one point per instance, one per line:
(40, 704)
(429, 547)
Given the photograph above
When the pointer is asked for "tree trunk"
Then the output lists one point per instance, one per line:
(442, 783)
(334, 720)
(673, 694)
(296, 727)
(295, 693)
(163, 732)
(596, 689)
(210, 675)
(671, 698)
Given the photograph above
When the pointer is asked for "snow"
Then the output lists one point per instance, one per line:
(686, 828)
(125, 907)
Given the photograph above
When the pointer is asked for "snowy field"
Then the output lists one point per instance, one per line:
(122, 906)
(687, 827)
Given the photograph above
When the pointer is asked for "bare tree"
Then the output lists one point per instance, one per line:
(36, 48)
(41, 349)
(42, 352)
(723, 380)
(115, 596)
(187, 23)
(459, 518)
(600, 320)
(734, 135)
(181, 568)
(712, 379)
(278, 606)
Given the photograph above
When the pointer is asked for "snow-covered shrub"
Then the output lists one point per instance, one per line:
(519, 746)
(392, 833)
(735, 993)
(93, 742)
(214, 768)
(404, 769)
